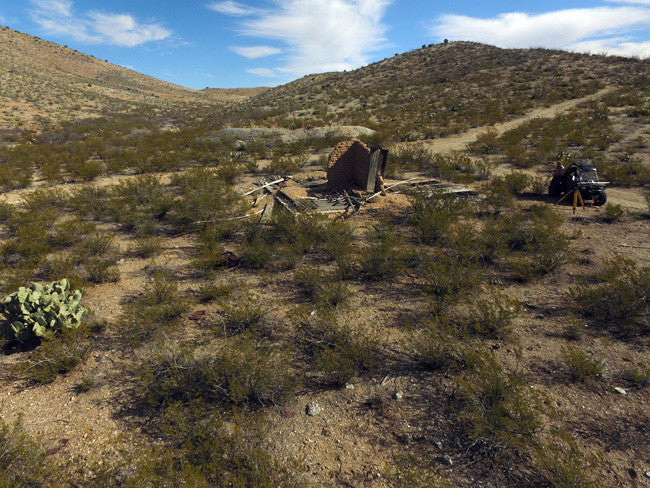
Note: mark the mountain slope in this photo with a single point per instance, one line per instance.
(443, 89)
(42, 80)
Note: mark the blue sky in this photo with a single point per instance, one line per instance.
(228, 43)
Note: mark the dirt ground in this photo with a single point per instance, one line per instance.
(353, 440)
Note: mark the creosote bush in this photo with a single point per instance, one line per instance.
(335, 352)
(582, 365)
(499, 408)
(23, 462)
(156, 310)
(619, 303)
(237, 372)
(56, 355)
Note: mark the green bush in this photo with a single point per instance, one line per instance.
(157, 309)
(335, 352)
(40, 310)
(238, 372)
(619, 302)
(613, 213)
(492, 315)
(499, 408)
(23, 462)
(582, 365)
(564, 465)
(56, 356)
(432, 213)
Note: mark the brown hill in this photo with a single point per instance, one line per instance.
(443, 89)
(43, 80)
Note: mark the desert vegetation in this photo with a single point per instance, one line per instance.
(213, 347)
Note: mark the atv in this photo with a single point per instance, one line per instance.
(581, 176)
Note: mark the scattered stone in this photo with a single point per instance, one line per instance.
(438, 444)
(349, 386)
(313, 408)
(647, 474)
(447, 460)
(398, 395)
(496, 281)
(540, 316)
(620, 390)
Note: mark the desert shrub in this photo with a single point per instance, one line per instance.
(582, 365)
(234, 373)
(200, 452)
(613, 213)
(138, 201)
(563, 464)
(447, 281)
(323, 289)
(40, 311)
(241, 316)
(574, 328)
(384, 256)
(637, 375)
(491, 316)
(499, 409)
(157, 309)
(536, 236)
(441, 344)
(23, 462)
(619, 302)
(146, 247)
(56, 356)
(432, 213)
(204, 198)
(210, 290)
(625, 173)
(486, 143)
(335, 352)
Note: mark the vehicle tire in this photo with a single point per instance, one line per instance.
(600, 198)
(555, 187)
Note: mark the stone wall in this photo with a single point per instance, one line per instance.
(348, 163)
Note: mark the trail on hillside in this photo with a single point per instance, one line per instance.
(460, 141)
(442, 145)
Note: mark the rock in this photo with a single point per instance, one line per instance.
(438, 444)
(240, 145)
(620, 390)
(313, 408)
(496, 281)
(349, 386)
(647, 474)
(398, 395)
(446, 459)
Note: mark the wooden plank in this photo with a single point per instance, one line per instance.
(373, 167)
(263, 187)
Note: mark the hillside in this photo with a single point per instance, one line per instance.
(41, 81)
(443, 89)
(412, 339)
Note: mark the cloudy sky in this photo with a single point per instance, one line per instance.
(233, 43)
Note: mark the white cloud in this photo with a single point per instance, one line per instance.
(124, 30)
(231, 8)
(264, 72)
(321, 35)
(58, 17)
(614, 46)
(253, 52)
(563, 29)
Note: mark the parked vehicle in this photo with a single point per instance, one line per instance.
(582, 176)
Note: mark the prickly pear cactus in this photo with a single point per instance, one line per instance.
(40, 310)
